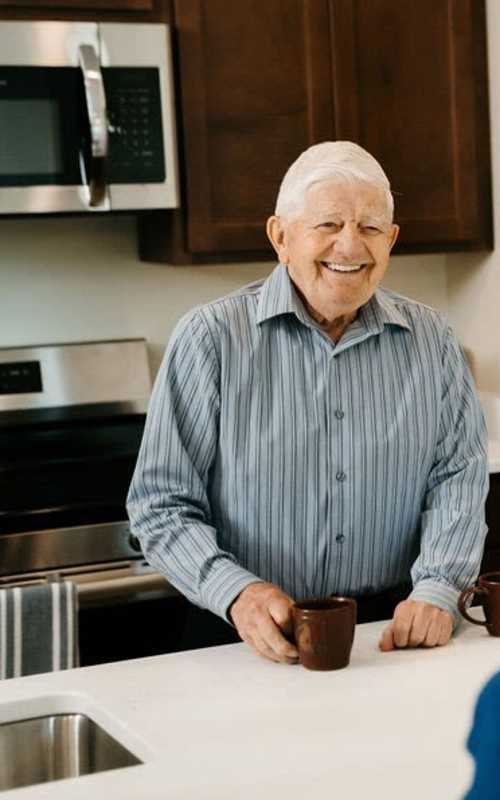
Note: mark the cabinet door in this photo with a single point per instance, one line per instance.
(410, 85)
(256, 89)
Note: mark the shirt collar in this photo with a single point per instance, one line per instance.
(278, 297)
(381, 310)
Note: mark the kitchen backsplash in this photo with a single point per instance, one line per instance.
(71, 279)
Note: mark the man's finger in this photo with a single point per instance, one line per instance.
(403, 618)
(446, 630)
(263, 649)
(434, 631)
(281, 614)
(273, 638)
(421, 619)
(386, 642)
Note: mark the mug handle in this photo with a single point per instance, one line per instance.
(461, 603)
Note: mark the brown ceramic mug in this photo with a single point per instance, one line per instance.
(324, 631)
(488, 589)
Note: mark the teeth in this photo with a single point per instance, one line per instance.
(341, 267)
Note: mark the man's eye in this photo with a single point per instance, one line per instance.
(336, 226)
(370, 229)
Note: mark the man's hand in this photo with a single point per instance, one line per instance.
(417, 624)
(262, 613)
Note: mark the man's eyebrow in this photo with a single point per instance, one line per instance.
(374, 219)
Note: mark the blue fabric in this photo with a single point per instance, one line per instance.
(272, 453)
(484, 743)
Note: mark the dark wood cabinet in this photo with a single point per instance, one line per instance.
(491, 558)
(417, 99)
(265, 94)
(259, 82)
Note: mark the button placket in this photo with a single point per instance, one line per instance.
(334, 566)
(341, 474)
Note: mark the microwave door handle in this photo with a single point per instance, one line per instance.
(96, 106)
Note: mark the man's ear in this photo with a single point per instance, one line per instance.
(394, 236)
(276, 235)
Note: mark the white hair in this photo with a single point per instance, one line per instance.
(329, 162)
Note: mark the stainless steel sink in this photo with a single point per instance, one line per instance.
(57, 746)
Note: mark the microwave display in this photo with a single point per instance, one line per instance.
(42, 126)
(58, 145)
(21, 152)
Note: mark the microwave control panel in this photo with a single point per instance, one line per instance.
(134, 125)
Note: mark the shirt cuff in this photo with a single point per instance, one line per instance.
(439, 594)
(224, 583)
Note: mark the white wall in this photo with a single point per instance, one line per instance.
(80, 279)
(65, 280)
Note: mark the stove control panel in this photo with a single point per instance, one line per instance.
(20, 377)
(76, 374)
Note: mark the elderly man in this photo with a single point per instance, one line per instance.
(313, 434)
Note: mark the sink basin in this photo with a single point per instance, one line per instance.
(54, 746)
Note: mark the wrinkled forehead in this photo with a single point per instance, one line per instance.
(350, 200)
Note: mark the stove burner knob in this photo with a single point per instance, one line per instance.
(134, 543)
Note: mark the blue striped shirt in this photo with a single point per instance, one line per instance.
(272, 453)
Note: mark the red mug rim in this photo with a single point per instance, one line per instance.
(487, 578)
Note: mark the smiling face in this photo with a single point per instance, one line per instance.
(337, 250)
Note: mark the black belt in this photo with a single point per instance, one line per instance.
(374, 607)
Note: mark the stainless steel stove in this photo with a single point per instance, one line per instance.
(71, 422)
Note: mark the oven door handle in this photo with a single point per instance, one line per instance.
(106, 588)
(90, 592)
(95, 98)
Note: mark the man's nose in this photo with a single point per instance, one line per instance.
(349, 243)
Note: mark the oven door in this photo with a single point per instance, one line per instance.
(125, 609)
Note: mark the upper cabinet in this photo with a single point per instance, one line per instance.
(259, 82)
(411, 86)
(256, 89)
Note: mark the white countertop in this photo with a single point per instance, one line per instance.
(224, 723)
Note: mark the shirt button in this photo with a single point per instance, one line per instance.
(340, 538)
(339, 413)
(341, 476)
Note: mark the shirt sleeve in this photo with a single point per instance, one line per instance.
(168, 501)
(453, 525)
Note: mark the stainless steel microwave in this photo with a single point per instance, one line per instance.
(86, 117)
